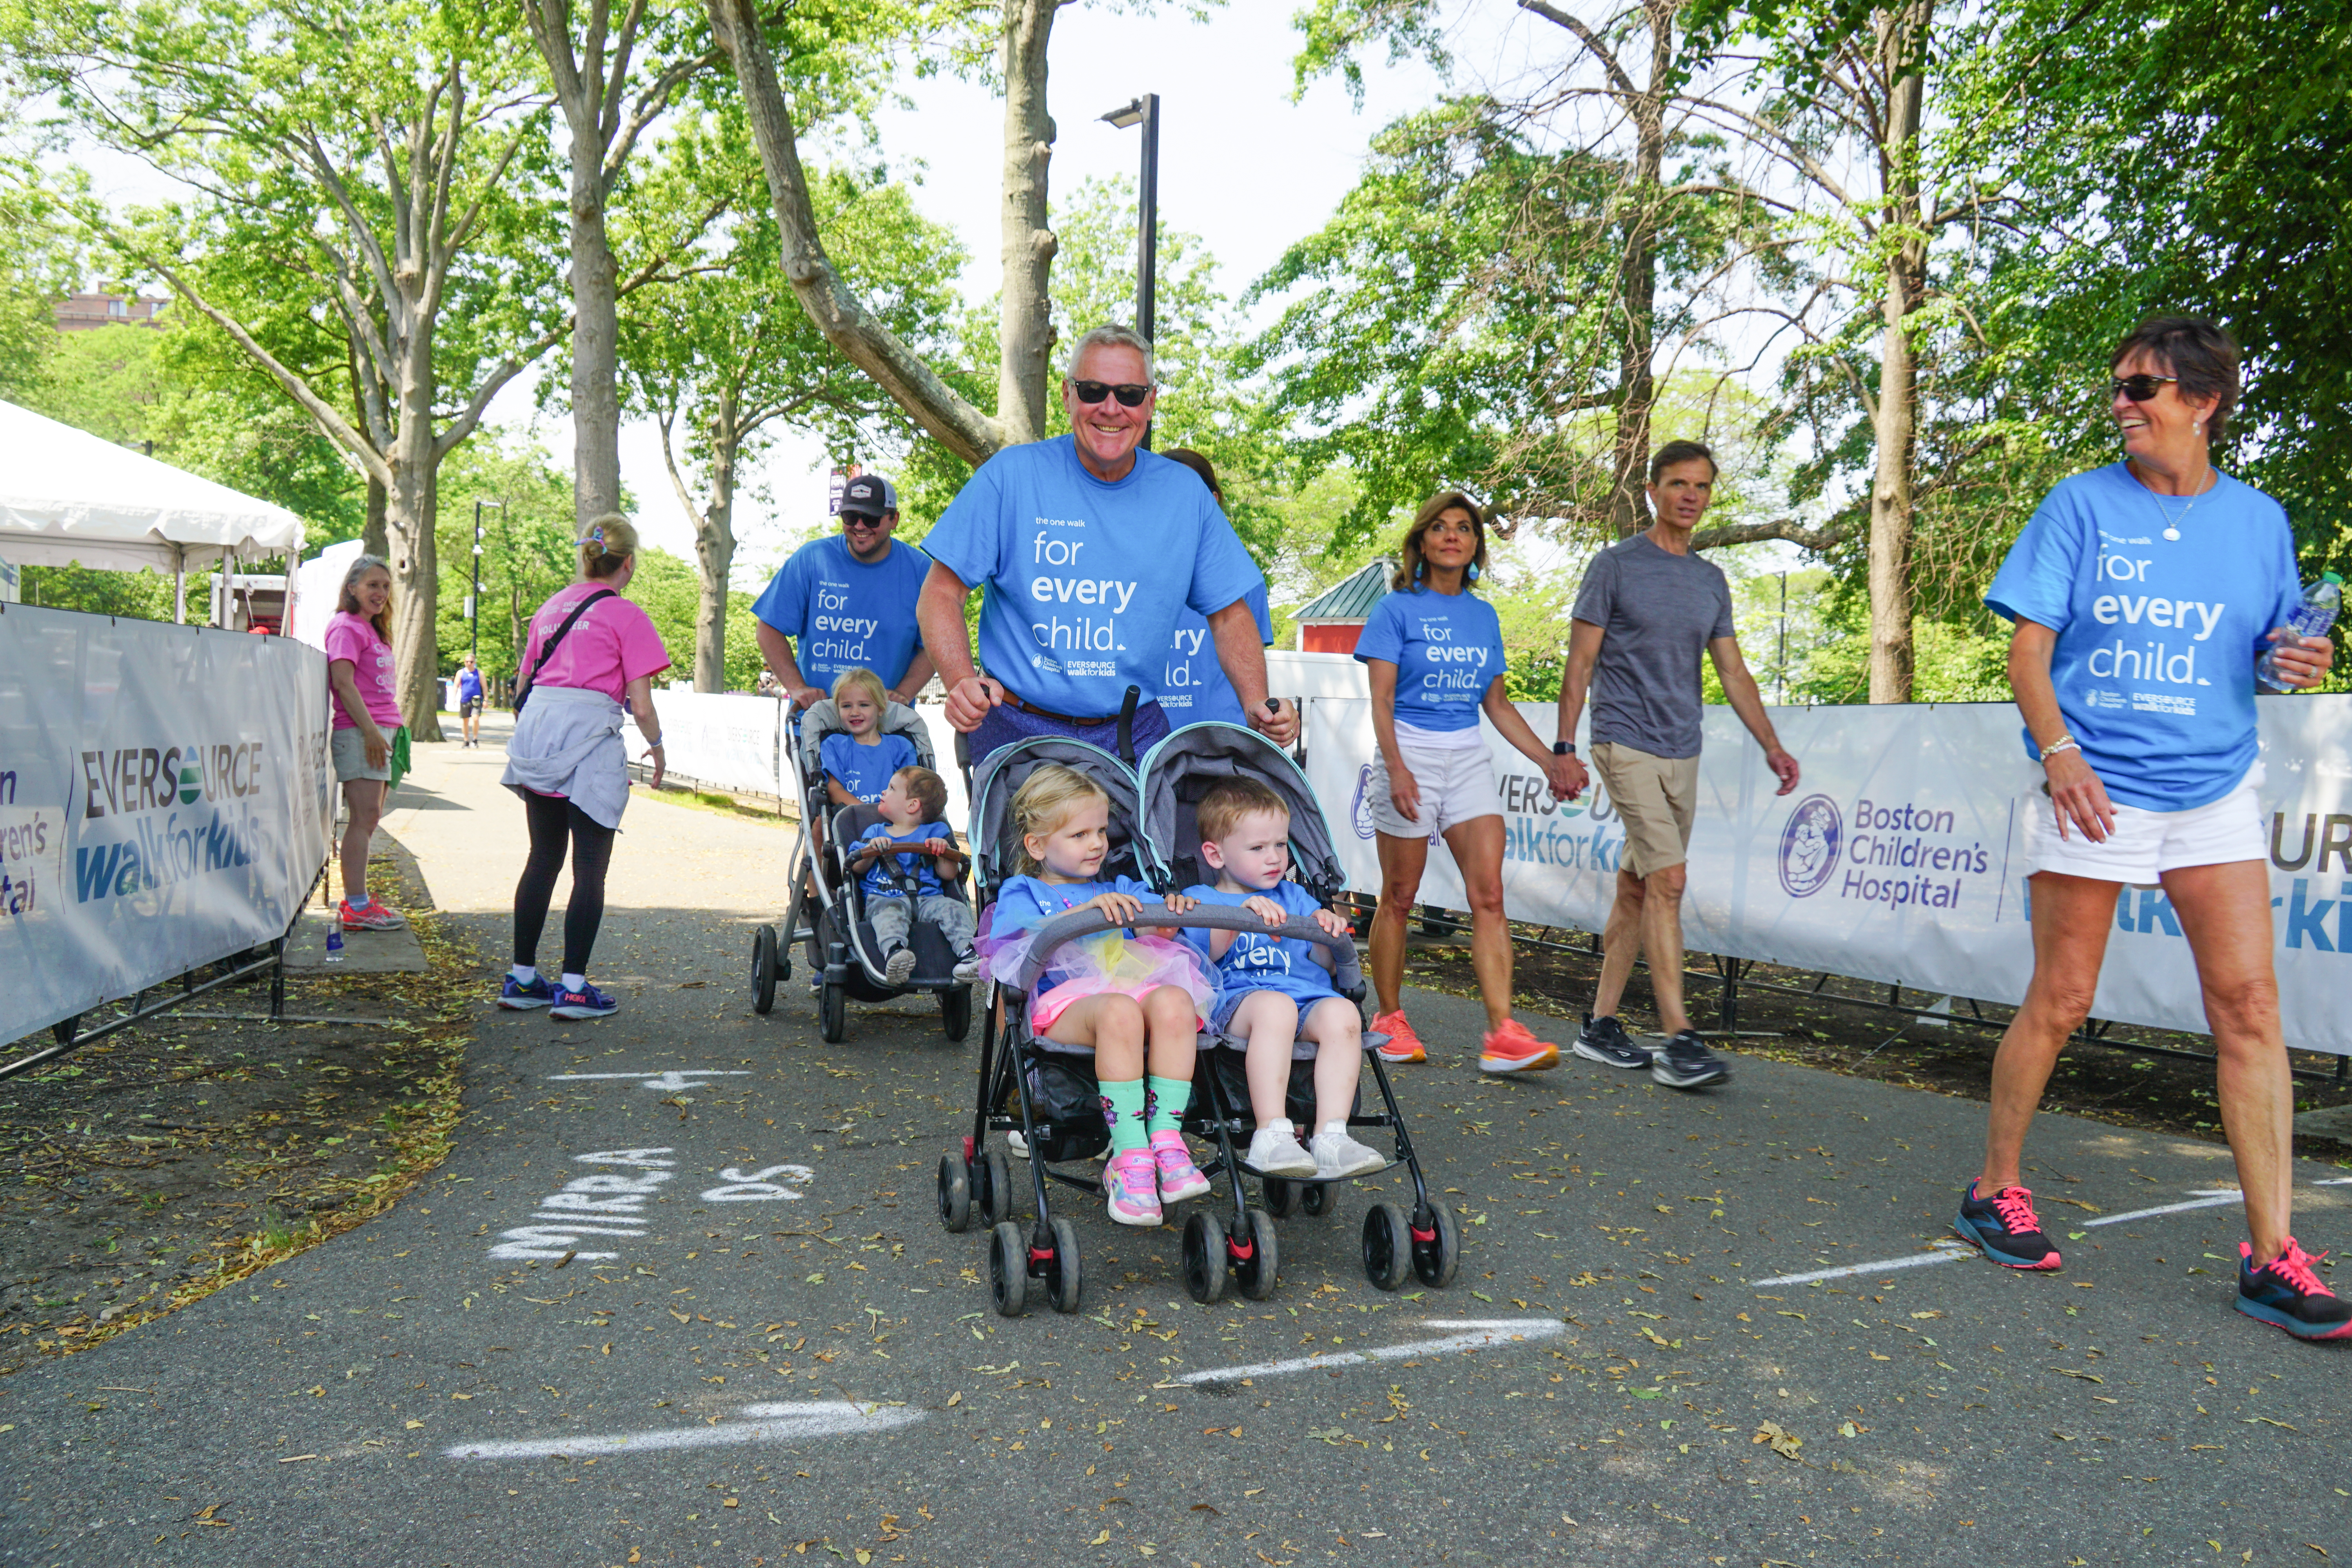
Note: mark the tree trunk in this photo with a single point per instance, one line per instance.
(714, 550)
(373, 540)
(595, 328)
(1024, 329)
(1637, 284)
(409, 515)
(1901, 51)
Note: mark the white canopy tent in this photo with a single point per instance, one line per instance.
(68, 497)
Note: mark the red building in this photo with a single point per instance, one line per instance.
(82, 312)
(1334, 619)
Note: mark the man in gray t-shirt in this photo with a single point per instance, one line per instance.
(1647, 610)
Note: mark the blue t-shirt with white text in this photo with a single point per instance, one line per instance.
(864, 771)
(1195, 690)
(1025, 902)
(1086, 578)
(2154, 665)
(1447, 647)
(880, 882)
(846, 614)
(1261, 961)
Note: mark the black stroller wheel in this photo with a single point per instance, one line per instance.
(1315, 1198)
(1281, 1196)
(763, 969)
(955, 1192)
(833, 1012)
(1255, 1275)
(1436, 1256)
(1064, 1282)
(1008, 1270)
(1204, 1257)
(995, 1194)
(955, 1011)
(1388, 1246)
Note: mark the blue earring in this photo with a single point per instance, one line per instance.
(1473, 570)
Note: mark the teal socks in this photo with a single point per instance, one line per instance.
(1164, 1106)
(1123, 1109)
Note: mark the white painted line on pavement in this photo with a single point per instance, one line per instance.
(2206, 1198)
(674, 1080)
(766, 1423)
(1482, 1332)
(1944, 1252)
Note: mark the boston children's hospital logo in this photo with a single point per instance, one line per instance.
(1810, 845)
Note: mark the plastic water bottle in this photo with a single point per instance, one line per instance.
(2311, 618)
(335, 942)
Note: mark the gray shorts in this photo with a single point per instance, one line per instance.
(890, 917)
(349, 748)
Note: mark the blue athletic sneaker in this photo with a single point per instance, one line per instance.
(522, 998)
(2287, 1294)
(585, 1003)
(2003, 1228)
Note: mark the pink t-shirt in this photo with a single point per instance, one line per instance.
(354, 638)
(612, 645)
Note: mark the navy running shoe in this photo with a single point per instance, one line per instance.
(2003, 1228)
(1686, 1063)
(2287, 1294)
(522, 998)
(1605, 1041)
(585, 1003)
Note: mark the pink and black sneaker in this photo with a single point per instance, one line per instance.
(2003, 1228)
(2287, 1294)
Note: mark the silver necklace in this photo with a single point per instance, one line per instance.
(2171, 523)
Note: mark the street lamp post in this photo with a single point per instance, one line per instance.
(1145, 112)
(474, 599)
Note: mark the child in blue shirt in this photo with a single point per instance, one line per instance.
(858, 766)
(911, 806)
(1137, 1003)
(1275, 994)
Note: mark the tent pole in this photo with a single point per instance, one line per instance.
(179, 585)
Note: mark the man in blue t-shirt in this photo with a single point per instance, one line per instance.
(469, 700)
(850, 599)
(1090, 548)
(1194, 689)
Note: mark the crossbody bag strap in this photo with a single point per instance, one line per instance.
(547, 650)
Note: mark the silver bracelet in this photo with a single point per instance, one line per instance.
(2063, 743)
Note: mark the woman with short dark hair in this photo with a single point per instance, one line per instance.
(1434, 652)
(2143, 593)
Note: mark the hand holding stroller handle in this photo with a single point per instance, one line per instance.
(1080, 923)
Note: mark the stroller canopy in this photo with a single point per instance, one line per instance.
(1180, 769)
(996, 841)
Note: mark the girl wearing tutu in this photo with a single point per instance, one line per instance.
(1137, 1002)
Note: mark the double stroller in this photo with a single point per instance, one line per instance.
(827, 914)
(1050, 1101)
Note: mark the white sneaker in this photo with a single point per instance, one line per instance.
(1337, 1155)
(899, 967)
(1273, 1150)
(967, 967)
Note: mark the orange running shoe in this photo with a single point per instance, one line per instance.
(1402, 1044)
(1511, 1048)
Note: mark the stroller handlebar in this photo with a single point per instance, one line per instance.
(1069, 928)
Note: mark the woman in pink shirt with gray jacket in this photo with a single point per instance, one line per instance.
(589, 651)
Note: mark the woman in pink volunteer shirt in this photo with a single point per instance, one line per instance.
(589, 650)
(367, 732)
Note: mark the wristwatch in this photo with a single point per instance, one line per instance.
(1563, 748)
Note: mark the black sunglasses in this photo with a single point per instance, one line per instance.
(1130, 395)
(2138, 388)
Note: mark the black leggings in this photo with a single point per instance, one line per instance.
(552, 820)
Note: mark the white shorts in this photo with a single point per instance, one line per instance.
(1456, 786)
(2147, 844)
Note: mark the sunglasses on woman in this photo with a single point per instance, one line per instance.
(1130, 395)
(2139, 388)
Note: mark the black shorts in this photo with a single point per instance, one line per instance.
(468, 706)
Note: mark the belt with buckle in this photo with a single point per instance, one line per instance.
(1014, 700)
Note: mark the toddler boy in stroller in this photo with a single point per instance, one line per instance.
(903, 859)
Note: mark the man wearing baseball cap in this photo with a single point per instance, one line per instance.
(849, 599)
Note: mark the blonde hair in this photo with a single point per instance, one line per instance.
(925, 788)
(1229, 800)
(1046, 801)
(864, 680)
(347, 597)
(606, 547)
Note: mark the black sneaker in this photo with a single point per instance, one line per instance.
(1686, 1063)
(2003, 1228)
(1605, 1041)
(2287, 1294)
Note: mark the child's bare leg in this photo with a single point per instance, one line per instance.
(1338, 1031)
(1173, 1028)
(1268, 1020)
(1113, 1025)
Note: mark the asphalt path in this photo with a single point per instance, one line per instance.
(765, 1348)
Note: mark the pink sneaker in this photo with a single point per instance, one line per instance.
(377, 916)
(1131, 1180)
(1179, 1177)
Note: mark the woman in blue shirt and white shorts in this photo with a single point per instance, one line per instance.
(1434, 653)
(2143, 593)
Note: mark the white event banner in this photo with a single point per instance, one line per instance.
(1900, 856)
(165, 802)
(732, 740)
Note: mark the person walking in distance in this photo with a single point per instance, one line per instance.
(1433, 652)
(2152, 772)
(469, 700)
(1647, 609)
